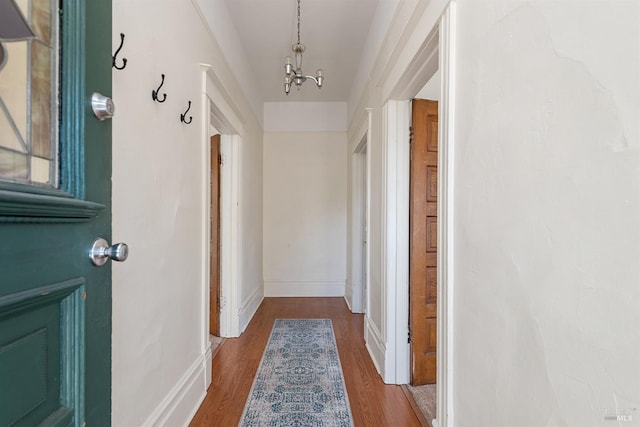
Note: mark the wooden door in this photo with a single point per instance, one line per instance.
(423, 213)
(55, 200)
(214, 277)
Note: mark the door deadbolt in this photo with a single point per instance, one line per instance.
(102, 106)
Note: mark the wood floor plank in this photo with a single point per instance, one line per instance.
(373, 403)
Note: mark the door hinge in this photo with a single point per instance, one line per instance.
(220, 159)
(409, 337)
(410, 134)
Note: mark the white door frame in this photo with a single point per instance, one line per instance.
(218, 110)
(446, 162)
(437, 51)
(360, 211)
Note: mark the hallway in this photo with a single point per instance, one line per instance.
(372, 402)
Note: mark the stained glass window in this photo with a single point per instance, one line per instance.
(29, 91)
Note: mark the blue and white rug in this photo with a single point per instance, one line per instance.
(299, 381)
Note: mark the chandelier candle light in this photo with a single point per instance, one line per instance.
(296, 76)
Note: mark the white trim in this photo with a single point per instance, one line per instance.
(415, 52)
(374, 343)
(367, 296)
(208, 367)
(303, 289)
(220, 112)
(249, 307)
(225, 116)
(421, 68)
(359, 159)
(230, 174)
(395, 242)
(205, 158)
(446, 187)
(188, 390)
(346, 300)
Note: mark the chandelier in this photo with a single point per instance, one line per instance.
(296, 75)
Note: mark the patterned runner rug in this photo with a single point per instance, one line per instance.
(299, 381)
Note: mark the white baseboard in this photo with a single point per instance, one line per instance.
(348, 305)
(375, 344)
(304, 289)
(434, 423)
(184, 399)
(208, 367)
(249, 307)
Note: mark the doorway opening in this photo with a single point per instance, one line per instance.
(423, 245)
(214, 239)
(219, 117)
(436, 53)
(222, 244)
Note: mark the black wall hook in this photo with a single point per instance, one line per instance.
(182, 116)
(115, 55)
(154, 93)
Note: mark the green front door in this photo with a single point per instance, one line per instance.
(55, 200)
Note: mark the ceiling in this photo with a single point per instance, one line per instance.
(333, 31)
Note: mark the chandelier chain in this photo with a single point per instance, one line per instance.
(298, 21)
(295, 76)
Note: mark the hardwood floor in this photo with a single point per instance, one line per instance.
(373, 403)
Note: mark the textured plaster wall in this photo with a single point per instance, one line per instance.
(158, 209)
(305, 207)
(547, 223)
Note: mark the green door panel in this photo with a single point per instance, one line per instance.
(55, 305)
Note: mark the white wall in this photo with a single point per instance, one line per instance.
(305, 116)
(305, 213)
(432, 89)
(547, 194)
(250, 283)
(547, 207)
(159, 354)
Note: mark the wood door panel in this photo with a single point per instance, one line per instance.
(431, 328)
(431, 158)
(430, 313)
(430, 366)
(423, 282)
(431, 209)
(432, 133)
(432, 234)
(430, 259)
(432, 183)
(214, 262)
(431, 284)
